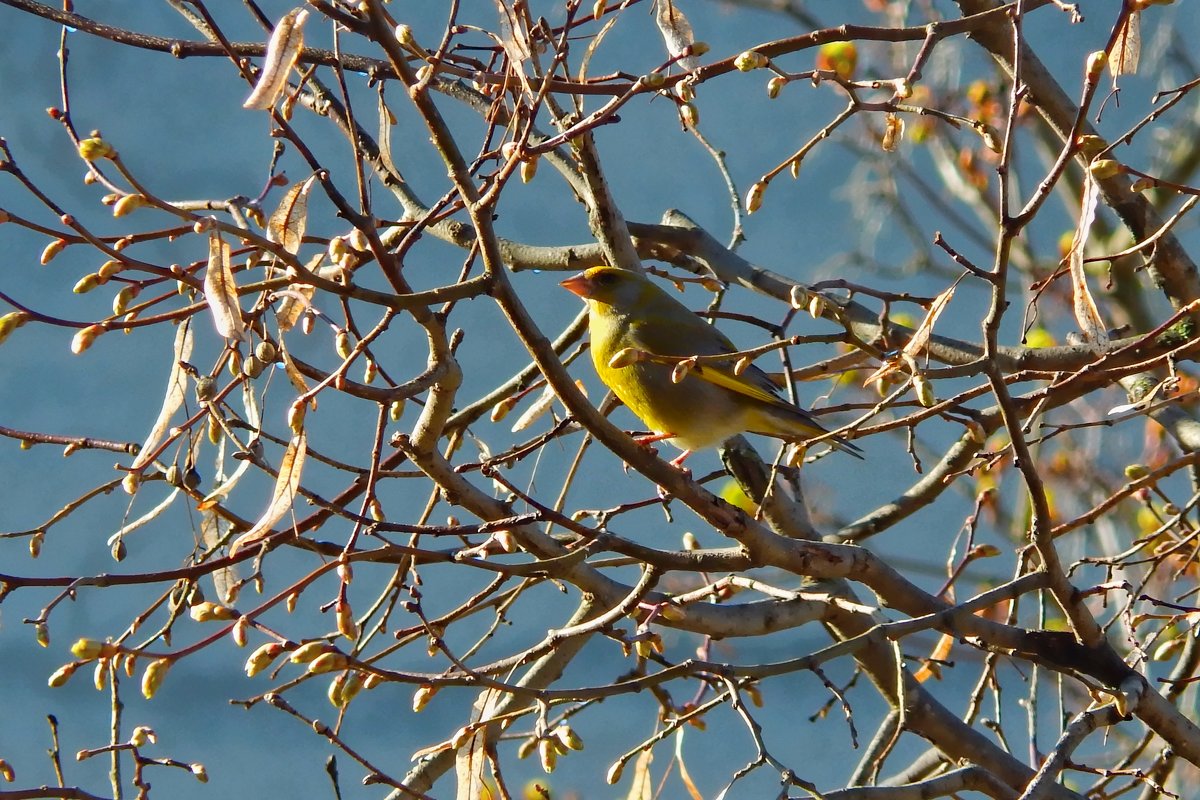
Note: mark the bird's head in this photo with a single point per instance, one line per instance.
(612, 286)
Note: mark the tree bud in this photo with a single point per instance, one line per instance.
(128, 203)
(61, 675)
(154, 676)
(261, 658)
(1103, 168)
(310, 650)
(51, 250)
(86, 283)
(754, 196)
(84, 337)
(94, 149)
(327, 662)
(689, 114)
(750, 60)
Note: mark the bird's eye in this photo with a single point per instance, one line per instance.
(606, 279)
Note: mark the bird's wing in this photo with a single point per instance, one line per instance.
(752, 383)
(693, 336)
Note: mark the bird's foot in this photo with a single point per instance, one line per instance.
(678, 460)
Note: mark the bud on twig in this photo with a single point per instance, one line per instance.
(750, 60)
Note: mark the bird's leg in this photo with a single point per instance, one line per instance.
(678, 460)
(645, 440)
(677, 463)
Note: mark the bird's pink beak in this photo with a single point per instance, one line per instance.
(578, 284)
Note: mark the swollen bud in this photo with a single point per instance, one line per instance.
(86, 283)
(10, 322)
(84, 337)
(893, 132)
(754, 196)
(327, 662)
(307, 652)
(87, 649)
(1095, 64)
(62, 675)
(750, 60)
(143, 735)
(154, 676)
(422, 696)
(209, 611)
(128, 203)
(547, 755)
(94, 149)
(690, 114)
(924, 391)
(624, 357)
(1103, 168)
(345, 620)
(261, 658)
(568, 737)
(798, 297)
(51, 250)
(816, 306)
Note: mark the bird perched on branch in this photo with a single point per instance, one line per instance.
(643, 344)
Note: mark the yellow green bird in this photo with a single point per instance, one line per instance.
(627, 310)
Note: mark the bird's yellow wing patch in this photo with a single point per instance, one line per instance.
(739, 384)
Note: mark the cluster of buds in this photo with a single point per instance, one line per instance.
(344, 688)
(528, 162)
(558, 742)
(208, 611)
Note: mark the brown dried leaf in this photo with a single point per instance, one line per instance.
(286, 226)
(514, 38)
(293, 373)
(941, 652)
(920, 337)
(684, 776)
(176, 390)
(386, 121)
(220, 290)
(224, 579)
(914, 346)
(540, 408)
(1127, 47)
(643, 783)
(283, 49)
(471, 760)
(297, 298)
(1087, 315)
(282, 497)
(676, 33)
